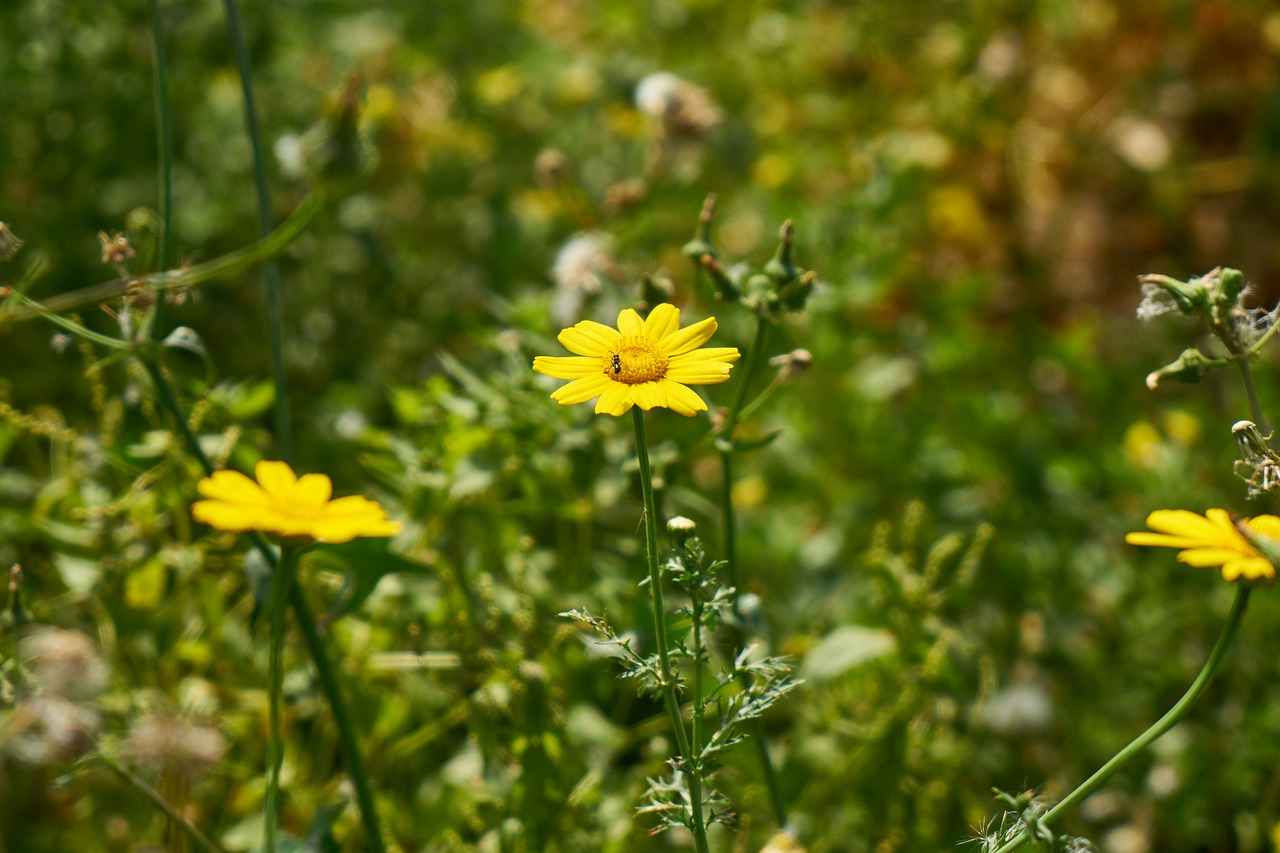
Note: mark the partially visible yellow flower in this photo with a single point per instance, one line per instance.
(1212, 539)
(281, 502)
(646, 363)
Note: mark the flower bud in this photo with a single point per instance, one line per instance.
(1191, 297)
(701, 243)
(1189, 367)
(781, 268)
(681, 528)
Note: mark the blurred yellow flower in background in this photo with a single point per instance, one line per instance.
(646, 363)
(1212, 539)
(281, 502)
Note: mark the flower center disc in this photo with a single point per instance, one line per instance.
(637, 360)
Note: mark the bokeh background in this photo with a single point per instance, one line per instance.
(935, 536)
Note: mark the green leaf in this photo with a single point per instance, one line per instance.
(843, 649)
(362, 563)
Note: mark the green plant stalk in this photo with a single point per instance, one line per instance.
(198, 838)
(1171, 717)
(699, 705)
(1246, 375)
(277, 607)
(755, 725)
(226, 266)
(687, 757)
(164, 144)
(310, 632)
(271, 273)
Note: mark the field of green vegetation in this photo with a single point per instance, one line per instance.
(855, 580)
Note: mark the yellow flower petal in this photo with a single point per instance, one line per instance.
(685, 340)
(276, 479)
(649, 395)
(566, 367)
(313, 489)
(682, 399)
(629, 323)
(589, 338)
(581, 390)
(662, 321)
(615, 399)
(230, 486)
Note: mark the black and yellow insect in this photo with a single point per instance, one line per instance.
(617, 364)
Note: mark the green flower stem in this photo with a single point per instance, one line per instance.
(350, 744)
(687, 758)
(277, 608)
(1246, 375)
(198, 838)
(1174, 714)
(284, 432)
(755, 726)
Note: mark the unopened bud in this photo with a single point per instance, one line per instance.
(726, 287)
(1189, 367)
(781, 268)
(792, 364)
(681, 528)
(1191, 296)
(701, 243)
(796, 293)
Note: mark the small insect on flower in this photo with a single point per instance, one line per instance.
(646, 362)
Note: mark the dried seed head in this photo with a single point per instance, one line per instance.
(53, 730)
(550, 167)
(158, 739)
(64, 663)
(115, 248)
(9, 243)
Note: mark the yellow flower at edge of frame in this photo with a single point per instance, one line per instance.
(647, 363)
(282, 503)
(1212, 540)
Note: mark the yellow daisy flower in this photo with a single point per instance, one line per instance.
(281, 502)
(1212, 540)
(645, 363)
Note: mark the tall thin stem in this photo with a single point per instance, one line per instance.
(1174, 714)
(164, 144)
(755, 725)
(198, 838)
(347, 739)
(1246, 375)
(687, 758)
(278, 606)
(284, 432)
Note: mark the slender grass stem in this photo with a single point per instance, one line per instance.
(164, 144)
(687, 758)
(277, 607)
(271, 273)
(755, 726)
(198, 838)
(1174, 714)
(226, 266)
(347, 739)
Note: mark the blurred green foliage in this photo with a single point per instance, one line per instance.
(935, 536)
